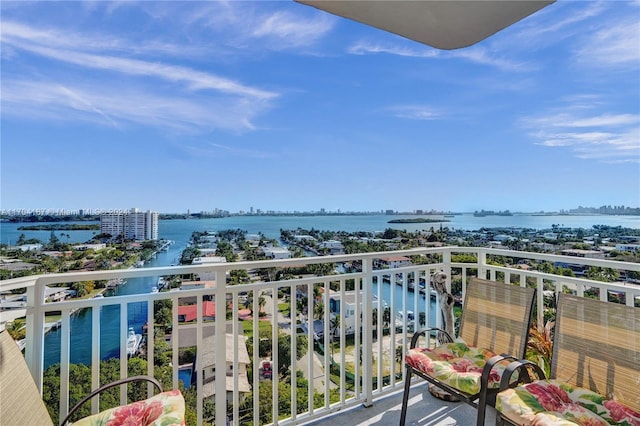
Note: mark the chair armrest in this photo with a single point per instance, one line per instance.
(486, 370)
(520, 365)
(484, 384)
(417, 334)
(109, 386)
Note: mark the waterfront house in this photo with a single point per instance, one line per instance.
(208, 260)
(15, 265)
(30, 247)
(631, 248)
(590, 254)
(276, 252)
(344, 305)
(210, 363)
(393, 262)
(192, 285)
(332, 247)
(189, 313)
(86, 246)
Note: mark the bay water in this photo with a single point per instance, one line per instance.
(180, 230)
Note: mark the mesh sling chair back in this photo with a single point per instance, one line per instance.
(21, 403)
(595, 369)
(494, 327)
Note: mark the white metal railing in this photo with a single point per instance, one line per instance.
(364, 364)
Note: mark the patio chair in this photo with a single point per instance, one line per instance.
(21, 403)
(493, 328)
(595, 369)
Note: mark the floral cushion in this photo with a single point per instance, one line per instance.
(456, 364)
(550, 402)
(164, 409)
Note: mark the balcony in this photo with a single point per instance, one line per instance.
(344, 369)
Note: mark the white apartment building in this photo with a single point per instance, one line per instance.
(132, 225)
(276, 252)
(628, 247)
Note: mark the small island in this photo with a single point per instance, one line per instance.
(61, 227)
(418, 220)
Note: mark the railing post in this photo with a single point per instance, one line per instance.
(540, 297)
(367, 335)
(34, 349)
(220, 349)
(482, 264)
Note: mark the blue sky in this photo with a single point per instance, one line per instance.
(171, 106)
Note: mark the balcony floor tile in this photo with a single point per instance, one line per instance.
(423, 410)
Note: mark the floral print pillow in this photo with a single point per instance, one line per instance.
(164, 409)
(456, 364)
(550, 402)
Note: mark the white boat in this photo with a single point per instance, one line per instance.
(154, 289)
(133, 342)
(411, 320)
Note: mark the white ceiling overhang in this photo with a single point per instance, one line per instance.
(444, 24)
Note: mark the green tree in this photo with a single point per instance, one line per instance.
(318, 310)
(239, 276)
(80, 288)
(162, 313)
(334, 326)
(54, 241)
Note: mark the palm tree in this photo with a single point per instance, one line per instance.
(318, 310)
(334, 324)
(248, 304)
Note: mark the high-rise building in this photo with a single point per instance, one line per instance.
(132, 225)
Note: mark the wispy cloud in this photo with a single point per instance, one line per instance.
(416, 112)
(365, 47)
(483, 56)
(285, 30)
(613, 46)
(41, 43)
(256, 26)
(604, 137)
(216, 150)
(604, 120)
(139, 90)
(97, 104)
(477, 55)
(580, 12)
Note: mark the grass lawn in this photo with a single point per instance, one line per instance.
(264, 327)
(285, 308)
(52, 317)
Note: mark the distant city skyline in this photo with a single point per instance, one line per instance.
(174, 106)
(604, 209)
